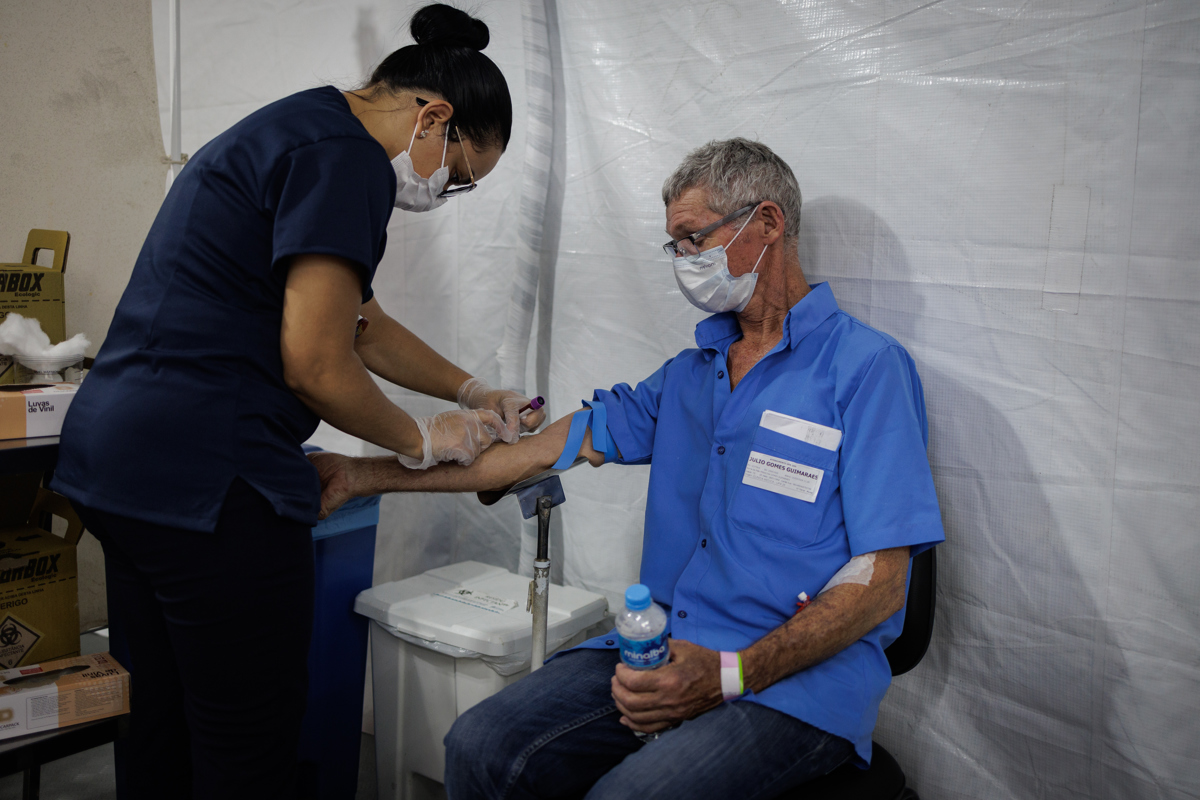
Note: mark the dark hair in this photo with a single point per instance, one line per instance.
(446, 61)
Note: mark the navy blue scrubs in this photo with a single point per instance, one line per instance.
(182, 449)
(187, 392)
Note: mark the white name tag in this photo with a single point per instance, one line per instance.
(820, 435)
(784, 477)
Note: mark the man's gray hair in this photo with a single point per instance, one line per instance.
(737, 173)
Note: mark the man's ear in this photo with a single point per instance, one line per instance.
(771, 217)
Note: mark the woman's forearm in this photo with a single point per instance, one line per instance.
(397, 355)
(320, 366)
(345, 396)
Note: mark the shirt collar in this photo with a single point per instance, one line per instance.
(720, 330)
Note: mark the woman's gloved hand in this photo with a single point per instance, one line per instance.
(476, 394)
(454, 436)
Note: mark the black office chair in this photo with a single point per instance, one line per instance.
(885, 780)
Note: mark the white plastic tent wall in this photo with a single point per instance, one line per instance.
(1009, 188)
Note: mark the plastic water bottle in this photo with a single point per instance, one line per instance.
(642, 630)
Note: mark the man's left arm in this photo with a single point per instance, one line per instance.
(650, 700)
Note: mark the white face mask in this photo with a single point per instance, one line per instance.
(706, 282)
(414, 193)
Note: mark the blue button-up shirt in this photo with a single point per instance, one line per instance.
(728, 559)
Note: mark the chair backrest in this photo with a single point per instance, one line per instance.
(910, 646)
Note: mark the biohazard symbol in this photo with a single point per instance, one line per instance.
(9, 635)
(16, 640)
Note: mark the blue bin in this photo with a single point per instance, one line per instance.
(343, 555)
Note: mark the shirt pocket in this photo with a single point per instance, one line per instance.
(778, 516)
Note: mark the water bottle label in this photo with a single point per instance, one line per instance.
(645, 653)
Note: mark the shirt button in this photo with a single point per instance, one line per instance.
(609, 642)
(720, 375)
(721, 450)
(683, 615)
(704, 542)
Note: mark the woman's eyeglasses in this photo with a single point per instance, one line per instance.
(455, 191)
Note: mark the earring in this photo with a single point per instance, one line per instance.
(423, 134)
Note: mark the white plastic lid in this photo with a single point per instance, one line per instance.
(476, 607)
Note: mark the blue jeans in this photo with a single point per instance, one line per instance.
(556, 734)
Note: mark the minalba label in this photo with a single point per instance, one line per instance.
(645, 653)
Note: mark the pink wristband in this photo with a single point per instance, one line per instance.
(732, 685)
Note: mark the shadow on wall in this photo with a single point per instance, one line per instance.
(1015, 668)
(369, 47)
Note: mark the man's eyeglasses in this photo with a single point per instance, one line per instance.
(454, 191)
(690, 245)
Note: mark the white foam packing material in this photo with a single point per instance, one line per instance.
(1009, 189)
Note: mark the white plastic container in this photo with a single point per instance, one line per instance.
(49, 369)
(443, 641)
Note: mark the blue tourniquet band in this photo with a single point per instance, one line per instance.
(602, 440)
(579, 425)
(595, 417)
(599, 425)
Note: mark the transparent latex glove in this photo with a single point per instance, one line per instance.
(454, 436)
(476, 394)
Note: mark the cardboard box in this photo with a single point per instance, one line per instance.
(39, 590)
(34, 291)
(59, 693)
(35, 410)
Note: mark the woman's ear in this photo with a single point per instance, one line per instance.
(434, 115)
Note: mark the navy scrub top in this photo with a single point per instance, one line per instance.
(187, 392)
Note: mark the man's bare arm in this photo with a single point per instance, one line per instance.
(836, 619)
(498, 467)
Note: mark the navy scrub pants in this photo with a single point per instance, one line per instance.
(214, 629)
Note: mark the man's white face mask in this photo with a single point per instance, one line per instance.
(706, 282)
(414, 193)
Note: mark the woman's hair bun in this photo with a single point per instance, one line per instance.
(440, 24)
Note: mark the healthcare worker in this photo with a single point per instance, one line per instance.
(235, 336)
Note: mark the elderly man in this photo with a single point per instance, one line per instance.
(788, 461)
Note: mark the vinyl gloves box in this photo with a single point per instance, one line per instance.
(60, 693)
(32, 411)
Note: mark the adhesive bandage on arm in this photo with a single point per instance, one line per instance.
(857, 570)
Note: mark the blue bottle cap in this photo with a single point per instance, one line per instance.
(637, 597)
